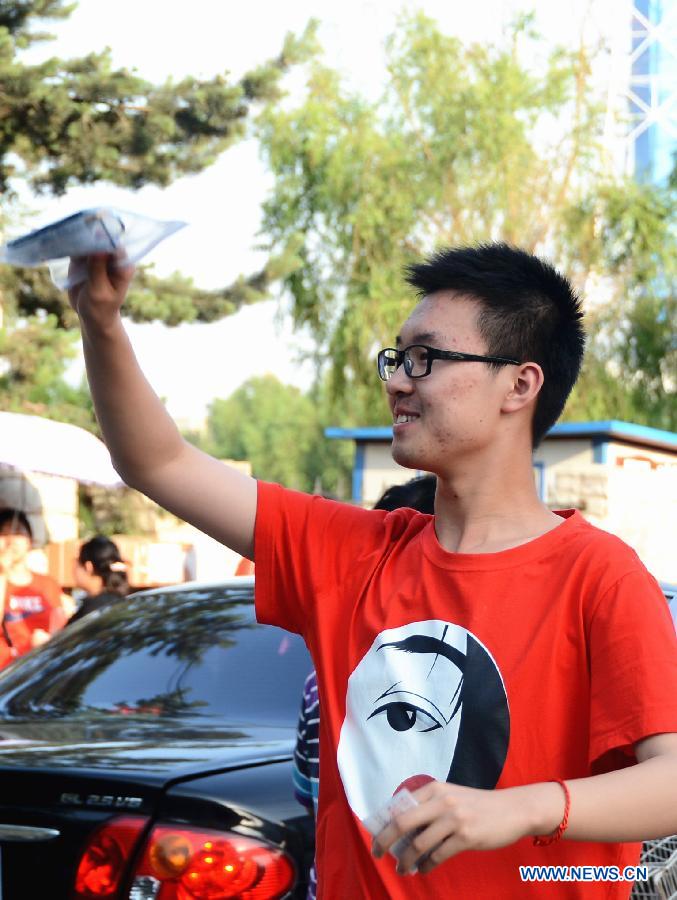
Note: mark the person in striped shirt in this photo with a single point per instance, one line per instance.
(306, 771)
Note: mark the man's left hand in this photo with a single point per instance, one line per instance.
(450, 818)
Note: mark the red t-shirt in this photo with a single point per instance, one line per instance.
(31, 606)
(548, 660)
(6, 654)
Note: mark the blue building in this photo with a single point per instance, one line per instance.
(652, 94)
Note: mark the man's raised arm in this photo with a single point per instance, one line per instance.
(145, 444)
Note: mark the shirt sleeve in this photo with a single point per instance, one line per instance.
(302, 544)
(633, 668)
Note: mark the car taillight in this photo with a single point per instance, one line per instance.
(185, 863)
(106, 857)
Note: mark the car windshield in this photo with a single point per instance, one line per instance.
(178, 653)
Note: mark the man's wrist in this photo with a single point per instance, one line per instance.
(97, 329)
(542, 806)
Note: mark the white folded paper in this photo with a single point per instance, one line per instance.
(376, 822)
(126, 235)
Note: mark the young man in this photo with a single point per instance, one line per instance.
(519, 660)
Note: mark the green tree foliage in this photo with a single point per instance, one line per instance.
(34, 356)
(280, 431)
(66, 122)
(466, 144)
(80, 121)
(119, 510)
(631, 363)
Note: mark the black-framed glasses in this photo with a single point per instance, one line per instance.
(418, 360)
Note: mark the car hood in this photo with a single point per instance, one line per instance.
(155, 751)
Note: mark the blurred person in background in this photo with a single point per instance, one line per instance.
(31, 602)
(419, 494)
(102, 573)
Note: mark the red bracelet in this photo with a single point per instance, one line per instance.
(542, 840)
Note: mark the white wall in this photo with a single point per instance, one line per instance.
(381, 471)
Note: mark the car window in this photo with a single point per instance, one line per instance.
(180, 653)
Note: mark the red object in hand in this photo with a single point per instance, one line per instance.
(413, 783)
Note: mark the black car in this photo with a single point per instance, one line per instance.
(146, 753)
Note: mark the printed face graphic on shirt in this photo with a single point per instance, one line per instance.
(426, 699)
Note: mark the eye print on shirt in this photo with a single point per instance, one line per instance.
(426, 699)
(421, 700)
(403, 715)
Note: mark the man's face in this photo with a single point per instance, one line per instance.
(455, 411)
(15, 545)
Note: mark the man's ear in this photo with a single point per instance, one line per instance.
(527, 381)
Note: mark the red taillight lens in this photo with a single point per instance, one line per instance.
(200, 864)
(106, 855)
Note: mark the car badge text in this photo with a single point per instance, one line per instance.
(107, 801)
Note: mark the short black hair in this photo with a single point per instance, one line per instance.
(417, 493)
(528, 311)
(18, 520)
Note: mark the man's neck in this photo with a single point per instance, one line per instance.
(490, 510)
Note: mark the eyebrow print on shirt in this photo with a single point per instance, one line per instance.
(423, 643)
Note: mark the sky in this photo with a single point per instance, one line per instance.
(192, 364)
